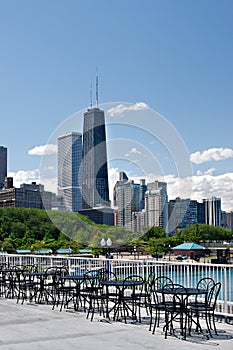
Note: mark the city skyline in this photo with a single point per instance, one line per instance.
(172, 57)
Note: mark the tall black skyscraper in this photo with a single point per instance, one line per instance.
(95, 191)
(3, 165)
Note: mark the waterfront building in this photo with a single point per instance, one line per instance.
(70, 171)
(8, 183)
(223, 219)
(153, 206)
(156, 207)
(200, 213)
(122, 178)
(95, 190)
(3, 165)
(143, 188)
(100, 215)
(212, 211)
(230, 220)
(128, 202)
(27, 196)
(181, 213)
(138, 221)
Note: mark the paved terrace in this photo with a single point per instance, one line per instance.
(31, 326)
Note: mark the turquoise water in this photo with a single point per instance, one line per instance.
(194, 276)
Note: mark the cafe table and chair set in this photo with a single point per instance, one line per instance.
(175, 309)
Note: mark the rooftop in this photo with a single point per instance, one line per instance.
(188, 246)
(31, 326)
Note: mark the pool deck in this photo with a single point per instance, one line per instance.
(31, 326)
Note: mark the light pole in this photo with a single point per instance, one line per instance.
(107, 243)
(103, 244)
(169, 251)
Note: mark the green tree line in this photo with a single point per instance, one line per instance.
(34, 229)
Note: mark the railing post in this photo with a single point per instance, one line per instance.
(225, 289)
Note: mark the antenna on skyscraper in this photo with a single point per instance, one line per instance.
(91, 95)
(97, 91)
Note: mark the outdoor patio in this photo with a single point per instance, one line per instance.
(32, 326)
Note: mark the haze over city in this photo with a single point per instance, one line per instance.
(174, 58)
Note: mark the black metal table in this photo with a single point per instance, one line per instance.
(182, 294)
(121, 304)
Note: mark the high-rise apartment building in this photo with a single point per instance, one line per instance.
(230, 220)
(156, 209)
(212, 211)
(3, 165)
(70, 171)
(143, 188)
(153, 206)
(122, 178)
(128, 197)
(182, 213)
(128, 202)
(95, 190)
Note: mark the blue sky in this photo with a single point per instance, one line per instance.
(175, 56)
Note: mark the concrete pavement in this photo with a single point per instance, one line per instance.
(30, 326)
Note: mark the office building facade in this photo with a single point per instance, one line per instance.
(128, 202)
(27, 196)
(70, 171)
(156, 206)
(181, 213)
(3, 165)
(212, 211)
(95, 190)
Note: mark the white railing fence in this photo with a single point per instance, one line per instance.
(186, 273)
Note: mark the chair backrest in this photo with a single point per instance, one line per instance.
(213, 294)
(93, 279)
(174, 293)
(161, 281)
(128, 283)
(133, 278)
(205, 283)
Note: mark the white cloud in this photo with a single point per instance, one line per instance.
(207, 172)
(24, 176)
(121, 108)
(211, 154)
(50, 184)
(43, 150)
(133, 150)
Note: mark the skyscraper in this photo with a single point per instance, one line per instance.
(3, 165)
(128, 202)
(156, 204)
(95, 190)
(182, 213)
(153, 206)
(212, 211)
(70, 170)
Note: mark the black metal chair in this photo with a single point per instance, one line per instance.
(175, 306)
(131, 295)
(206, 308)
(205, 284)
(62, 290)
(26, 283)
(155, 300)
(93, 293)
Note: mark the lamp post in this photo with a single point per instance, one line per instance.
(107, 243)
(103, 244)
(169, 252)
